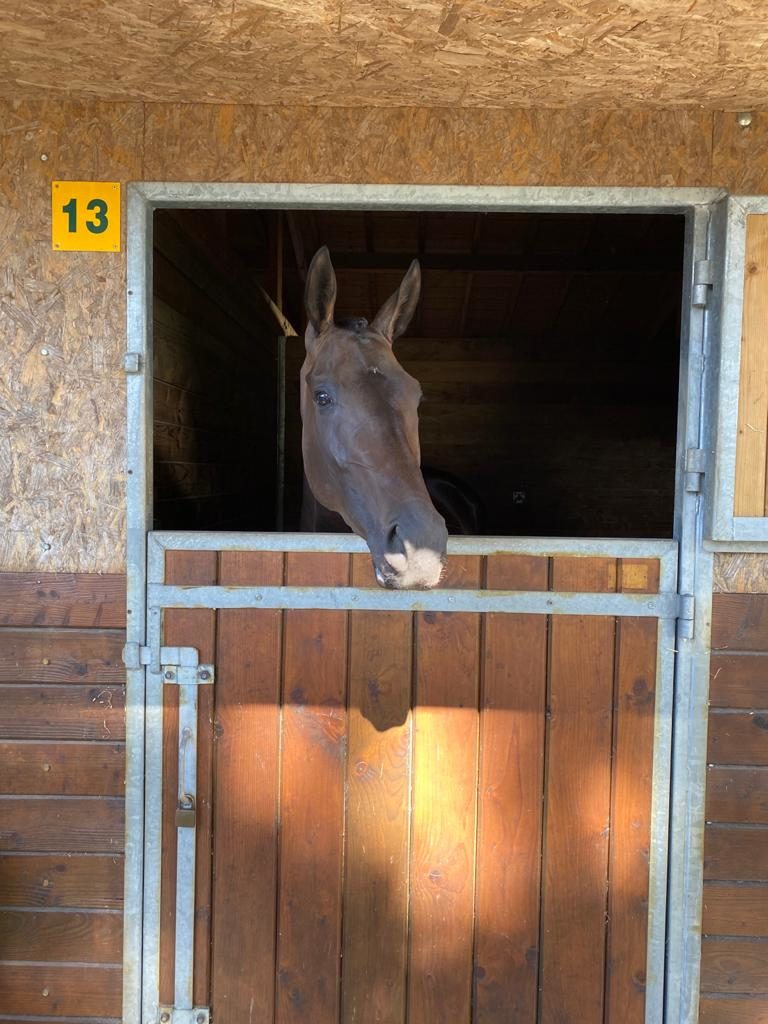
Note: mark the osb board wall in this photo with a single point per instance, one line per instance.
(62, 496)
(378, 53)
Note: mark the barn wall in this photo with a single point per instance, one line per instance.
(735, 918)
(64, 497)
(62, 749)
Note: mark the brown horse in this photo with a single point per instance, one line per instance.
(360, 440)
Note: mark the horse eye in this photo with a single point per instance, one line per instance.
(323, 398)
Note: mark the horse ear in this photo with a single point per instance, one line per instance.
(395, 315)
(320, 292)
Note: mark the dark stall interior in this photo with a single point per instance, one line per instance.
(547, 346)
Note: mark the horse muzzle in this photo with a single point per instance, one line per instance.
(413, 559)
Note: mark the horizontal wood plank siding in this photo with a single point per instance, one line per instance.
(734, 978)
(62, 786)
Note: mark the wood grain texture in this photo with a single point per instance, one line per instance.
(735, 910)
(61, 990)
(61, 380)
(63, 769)
(83, 600)
(71, 824)
(732, 1010)
(752, 442)
(740, 573)
(61, 656)
(377, 831)
(631, 790)
(246, 772)
(735, 854)
(445, 751)
(737, 795)
(578, 798)
(739, 622)
(728, 965)
(739, 681)
(312, 799)
(511, 780)
(61, 935)
(738, 738)
(92, 881)
(193, 628)
(379, 55)
(62, 712)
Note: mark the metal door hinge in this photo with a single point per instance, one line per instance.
(686, 616)
(703, 282)
(172, 1015)
(695, 468)
(177, 664)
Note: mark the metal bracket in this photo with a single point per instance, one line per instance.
(703, 282)
(172, 1015)
(695, 468)
(686, 616)
(179, 665)
(132, 362)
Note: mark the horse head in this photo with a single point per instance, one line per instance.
(360, 437)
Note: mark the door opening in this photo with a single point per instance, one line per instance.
(547, 346)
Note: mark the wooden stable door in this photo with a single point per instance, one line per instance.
(431, 818)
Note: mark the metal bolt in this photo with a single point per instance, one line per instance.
(165, 1017)
(169, 675)
(45, 352)
(744, 119)
(46, 661)
(200, 1018)
(43, 157)
(45, 992)
(205, 675)
(46, 767)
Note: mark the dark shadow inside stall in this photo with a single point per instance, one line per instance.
(547, 347)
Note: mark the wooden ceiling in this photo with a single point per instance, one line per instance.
(433, 53)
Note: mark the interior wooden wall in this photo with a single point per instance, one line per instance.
(215, 390)
(62, 732)
(62, 495)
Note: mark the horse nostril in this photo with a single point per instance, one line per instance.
(394, 541)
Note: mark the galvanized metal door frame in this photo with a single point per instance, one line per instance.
(663, 607)
(691, 663)
(723, 526)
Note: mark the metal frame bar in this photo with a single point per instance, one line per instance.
(690, 709)
(723, 524)
(145, 699)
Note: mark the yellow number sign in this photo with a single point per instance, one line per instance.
(85, 215)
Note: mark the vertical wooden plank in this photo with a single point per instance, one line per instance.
(578, 794)
(510, 800)
(378, 804)
(631, 820)
(752, 442)
(188, 628)
(444, 808)
(312, 799)
(246, 773)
